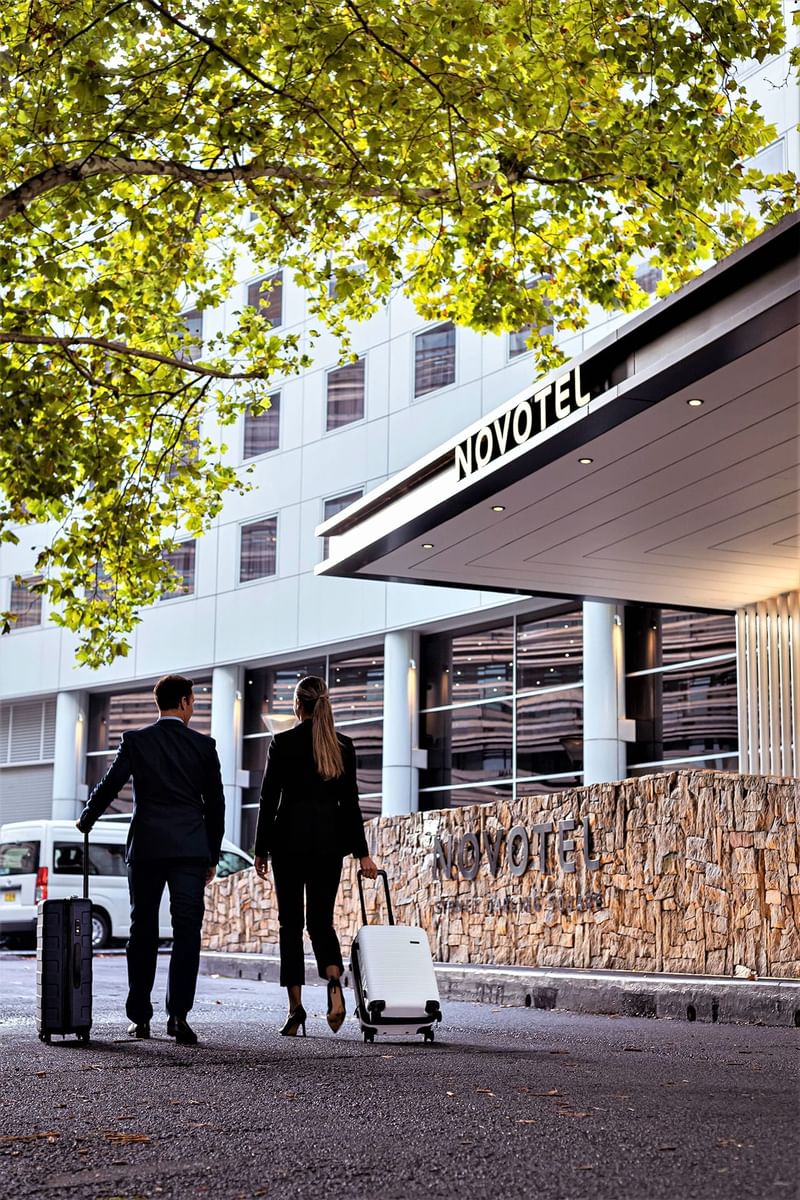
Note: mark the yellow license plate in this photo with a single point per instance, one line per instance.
(10, 896)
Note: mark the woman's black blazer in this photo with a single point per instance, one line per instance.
(302, 813)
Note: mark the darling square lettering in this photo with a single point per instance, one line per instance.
(531, 416)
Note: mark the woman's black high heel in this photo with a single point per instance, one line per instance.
(295, 1020)
(335, 1019)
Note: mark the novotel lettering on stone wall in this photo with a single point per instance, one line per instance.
(516, 850)
(540, 411)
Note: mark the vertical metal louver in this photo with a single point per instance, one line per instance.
(768, 662)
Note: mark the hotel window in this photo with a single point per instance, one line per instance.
(345, 395)
(434, 358)
(333, 506)
(24, 603)
(193, 324)
(266, 295)
(258, 554)
(262, 430)
(182, 560)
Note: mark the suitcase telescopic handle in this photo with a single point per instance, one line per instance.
(86, 865)
(385, 878)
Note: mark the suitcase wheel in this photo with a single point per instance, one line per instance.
(427, 1035)
(369, 1035)
(83, 1037)
(44, 1037)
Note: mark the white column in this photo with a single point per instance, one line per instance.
(69, 794)
(226, 729)
(604, 756)
(400, 779)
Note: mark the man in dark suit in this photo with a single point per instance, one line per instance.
(175, 838)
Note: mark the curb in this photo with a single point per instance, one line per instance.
(772, 1002)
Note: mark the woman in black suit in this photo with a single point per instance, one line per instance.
(308, 820)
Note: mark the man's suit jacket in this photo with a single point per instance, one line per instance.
(178, 798)
(300, 812)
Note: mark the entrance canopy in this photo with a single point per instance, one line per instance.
(660, 466)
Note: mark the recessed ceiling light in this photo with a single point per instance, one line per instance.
(427, 545)
(498, 508)
(695, 402)
(585, 461)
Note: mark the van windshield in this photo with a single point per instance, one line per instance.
(19, 858)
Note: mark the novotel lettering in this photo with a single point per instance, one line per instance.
(523, 848)
(533, 415)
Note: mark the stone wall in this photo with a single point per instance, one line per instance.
(689, 872)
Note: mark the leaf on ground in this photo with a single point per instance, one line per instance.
(551, 1092)
(484, 1091)
(125, 1139)
(571, 1112)
(41, 1074)
(525, 1121)
(49, 1135)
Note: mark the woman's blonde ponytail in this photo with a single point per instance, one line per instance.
(313, 698)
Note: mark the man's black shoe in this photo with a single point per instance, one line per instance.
(139, 1029)
(178, 1028)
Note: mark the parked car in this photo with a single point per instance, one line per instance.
(42, 860)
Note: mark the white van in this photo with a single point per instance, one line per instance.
(41, 860)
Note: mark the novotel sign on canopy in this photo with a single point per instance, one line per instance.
(545, 407)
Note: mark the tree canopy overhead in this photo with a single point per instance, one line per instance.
(504, 162)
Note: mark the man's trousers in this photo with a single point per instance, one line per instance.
(186, 880)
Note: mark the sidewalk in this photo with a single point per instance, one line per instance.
(773, 1002)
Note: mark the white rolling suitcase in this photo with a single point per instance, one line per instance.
(393, 976)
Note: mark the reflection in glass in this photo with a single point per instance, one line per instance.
(269, 691)
(470, 666)
(687, 635)
(550, 733)
(459, 797)
(368, 741)
(699, 714)
(113, 713)
(550, 651)
(543, 785)
(356, 686)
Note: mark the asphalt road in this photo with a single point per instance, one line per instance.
(506, 1103)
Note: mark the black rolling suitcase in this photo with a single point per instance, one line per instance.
(64, 963)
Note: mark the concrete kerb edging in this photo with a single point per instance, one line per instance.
(773, 1002)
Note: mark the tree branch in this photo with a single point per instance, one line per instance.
(9, 337)
(76, 170)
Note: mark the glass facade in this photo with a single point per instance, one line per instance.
(681, 689)
(502, 707)
(356, 686)
(113, 713)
